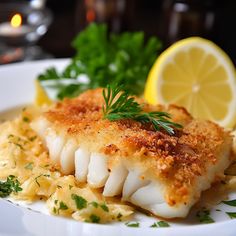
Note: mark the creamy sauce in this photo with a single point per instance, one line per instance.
(23, 155)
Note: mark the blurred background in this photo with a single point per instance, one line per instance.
(170, 20)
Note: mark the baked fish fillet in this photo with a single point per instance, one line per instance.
(160, 173)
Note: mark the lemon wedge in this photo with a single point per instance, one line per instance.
(41, 97)
(198, 75)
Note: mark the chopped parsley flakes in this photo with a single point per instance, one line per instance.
(119, 216)
(70, 186)
(204, 216)
(62, 206)
(36, 178)
(26, 119)
(132, 224)
(94, 204)
(79, 201)
(160, 224)
(230, 202)
(232, 215)
(104, 207)
(32, 138)
(29, 166)
(94, 218)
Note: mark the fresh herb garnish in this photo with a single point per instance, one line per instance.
(94, 218)
(119, 216)
(232, 215)
(32, 138)
(26, 119)
(230, 202)
(29, 166)
(107, 58)
(79, 201)
(132, 224)
(9, 186)
(17, 141)
(54, 210)
(120, 105)
(94, 204)
(36, 178)
(104, 207)
(19, 145)
(70, 187)
(62, 206)
(204, 216)
(160, 224)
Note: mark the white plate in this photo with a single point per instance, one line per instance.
(17, 89)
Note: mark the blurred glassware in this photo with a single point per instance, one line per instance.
(101, 11)
(37, 3)
(185, 18)
(22, 24)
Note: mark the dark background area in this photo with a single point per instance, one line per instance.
(167, 19)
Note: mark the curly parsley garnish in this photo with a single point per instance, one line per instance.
(9, 186)
(119, 105)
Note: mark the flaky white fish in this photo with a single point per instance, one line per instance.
(155, 171)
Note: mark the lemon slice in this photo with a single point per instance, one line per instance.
(197, 74)
(41, 97)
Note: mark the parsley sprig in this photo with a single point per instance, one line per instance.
(120, 105)
(9, 186)
(102, 58)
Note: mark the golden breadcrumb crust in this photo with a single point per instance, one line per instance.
(176, 160)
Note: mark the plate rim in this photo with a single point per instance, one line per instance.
(180, 229)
